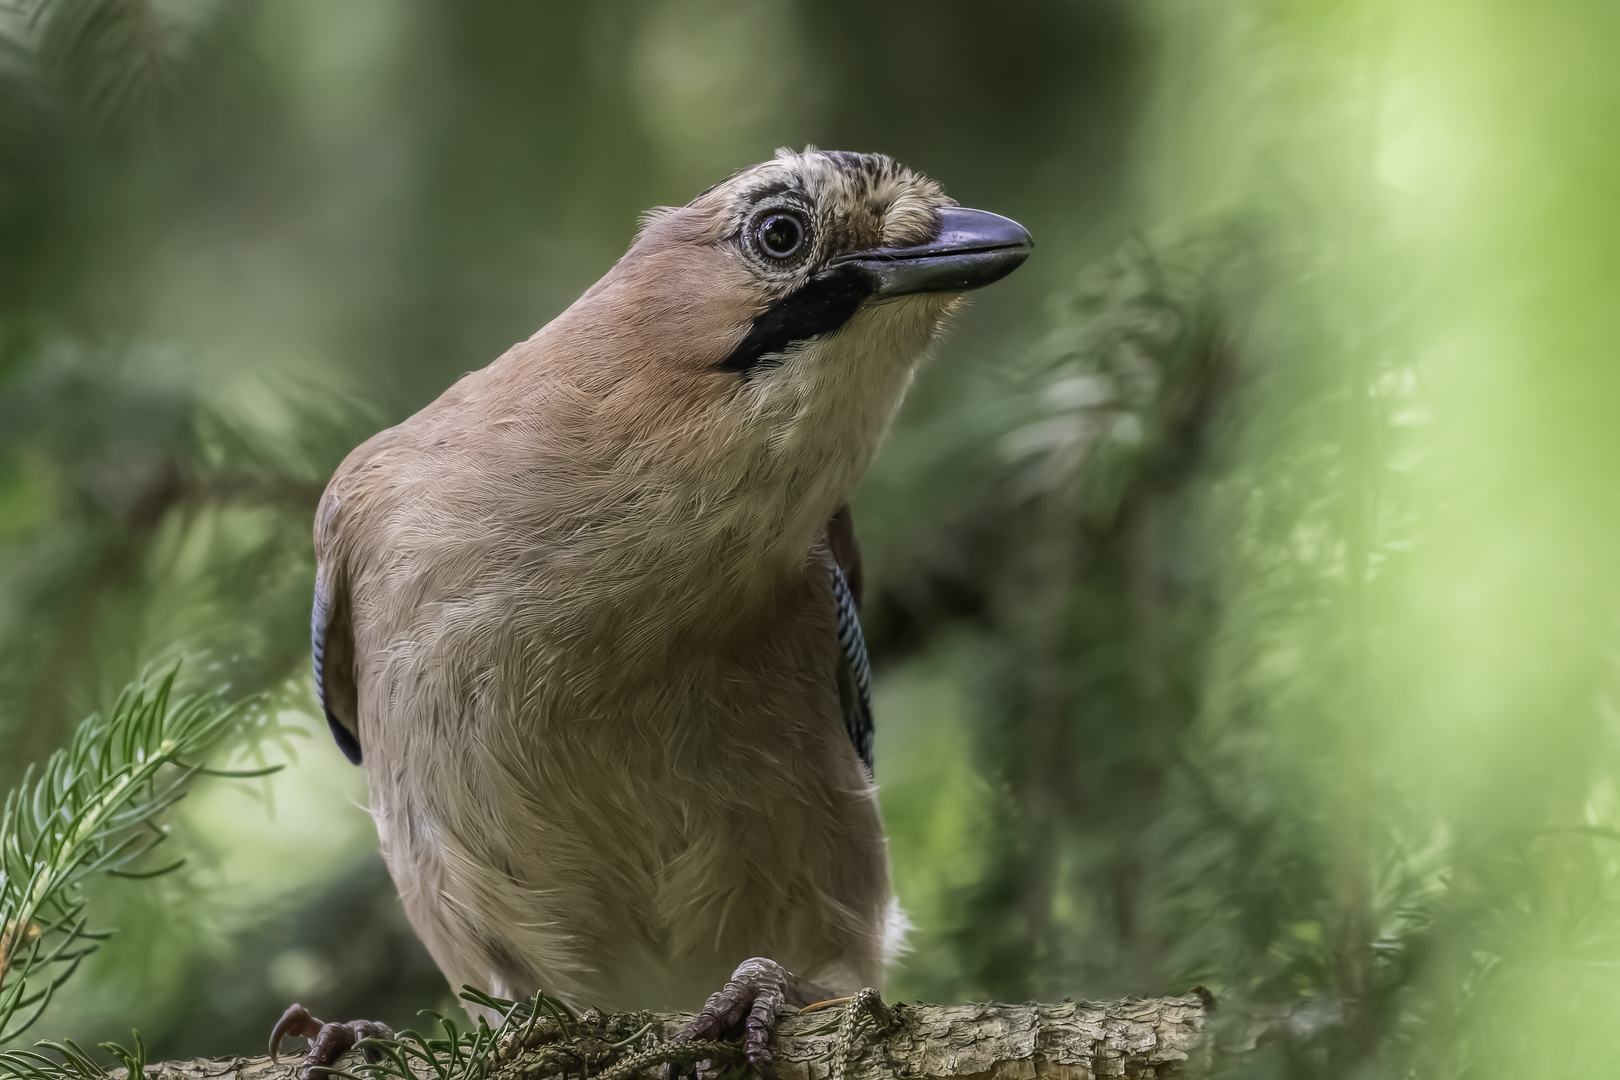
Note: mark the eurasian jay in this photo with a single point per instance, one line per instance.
(589, 620)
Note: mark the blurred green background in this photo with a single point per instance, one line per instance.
(1244, 573)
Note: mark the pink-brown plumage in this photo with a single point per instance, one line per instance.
(577, 613)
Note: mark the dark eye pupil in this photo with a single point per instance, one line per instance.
(780, 235)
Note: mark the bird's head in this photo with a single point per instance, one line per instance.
(760, 339)
(810, 240)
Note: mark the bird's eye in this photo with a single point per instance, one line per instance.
(780, 235)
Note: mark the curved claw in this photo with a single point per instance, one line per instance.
(295, 1021)
(327, 1042)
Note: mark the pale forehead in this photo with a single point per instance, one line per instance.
(856, 189)
(870, 179)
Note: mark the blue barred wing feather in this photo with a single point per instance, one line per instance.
(855, 674)
(331, 640)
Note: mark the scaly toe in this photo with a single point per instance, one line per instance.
(750, 1000)
(327, 1042)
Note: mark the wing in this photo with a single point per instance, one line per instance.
(854, 673)
(331, 636)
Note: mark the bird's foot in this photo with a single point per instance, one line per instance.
(750, 998)
(327, 1042)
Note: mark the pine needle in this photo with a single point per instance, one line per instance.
(92, 809)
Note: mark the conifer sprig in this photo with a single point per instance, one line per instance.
(92, 809)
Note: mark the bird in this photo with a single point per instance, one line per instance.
(589, 621)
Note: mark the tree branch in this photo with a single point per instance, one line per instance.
(1144, 1039)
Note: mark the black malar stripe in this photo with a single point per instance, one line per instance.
(819, 306)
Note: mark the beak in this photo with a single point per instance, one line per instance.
(973, 248)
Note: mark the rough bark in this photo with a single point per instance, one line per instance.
(1148, 1038)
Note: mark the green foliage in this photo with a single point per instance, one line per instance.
(1323, 712)
(92, 809)
(74, 1063)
